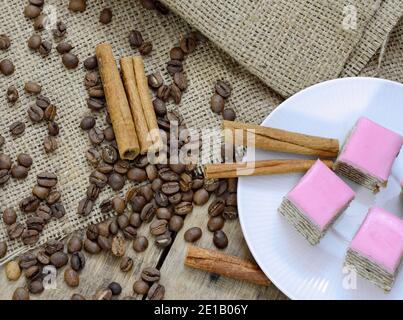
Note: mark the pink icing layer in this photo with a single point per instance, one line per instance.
(380, 239)
(320, 194)
(372, 149)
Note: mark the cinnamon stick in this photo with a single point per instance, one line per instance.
(118, 106)
(278, 140)
(225, 265)
(146, 102)
(258, 168)
(133, 96)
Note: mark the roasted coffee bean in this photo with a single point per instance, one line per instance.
(92, 192)
(19, 172)
(223, 89)
(197, 183)
(163, 240)
(118, 204)
(27, 260)
(163, 213)
(15, 231)
(77, 296)
(77, 261)
(141, 161)
(35, 223)
(201, 197)
(231, 200)
(211, 185)
(7, 67)
(44, 212)
(109, 134)
(85, 207)
(91, 63)
(155, 80)
(161, 8)
(135, 220)
(33, 272)
(103, 294)
(4, 42)
(129, 232)
(230, 213)
(113, 228)
(170, 188)
(118, 246)
(216, 207)
(145, 48)
(31, 11)
(158, 227)
(74, 244)
(96, 136)
(46, 179)
(126, 264)
(77, 5)
(188, 44)
(9, 216)
(21, 294)
(141, 287)
(222, 188)
(53, 246)
(140, 244)
(183, 208)
(12, 94)
(152, 172)
(192, 234)
(5, 161)
(50, 144)
(159, 107)
(58, 210)
(229, 114)
(156, 184)
(215, 223)
(92, 232)
(91, 79)
(42, 102)
(180, 80)
(99, 179)
(91, 246)
(40, 192)
(2, 141)
(4, 176)
(60, 30)
(93, 156)
(70, 60)
(104, 243)
(30, 237)
(36, 287)
(17, 128)
(45, 48)
(138, 203)
(135, 38)
(43, 257)
(109, 154)
(148, 4)
(3, 249)
(71, 278)
(137, 175)
(53, 128)
(32, 87)
(161, 199)
(122, 221)
(38, 3)
(232, 185)
(121, 167)
(150, 274)
(24, 160)
(96, 92)
(87, 123)
(176, 53)
(167, 174)
(175, 93)
(148, 212)
(156, 292)
(217, 103)
(175, 198)
(39, 22)
(146, 191)
(50, 112)
(174, 66)
(220, 239)
(105, 206)
(64, 47)
(105, 168)
(29, 204)
(34, 42)
(116, 288)
(164, 92)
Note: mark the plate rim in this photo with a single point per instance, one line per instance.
(270, 115)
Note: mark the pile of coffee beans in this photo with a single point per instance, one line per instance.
(217, 102)
(6, 65)
(18, 171)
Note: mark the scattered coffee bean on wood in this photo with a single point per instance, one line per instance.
(21, 294)
(220, 239)
(126, 264)
(156, 292)
(141, 287)
(192, 234)
(116, 288)
(71, 278)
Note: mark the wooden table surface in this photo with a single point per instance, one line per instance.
(180, 282)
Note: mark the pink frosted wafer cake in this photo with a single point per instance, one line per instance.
(316, 202)
(368, 154)
(377, 248)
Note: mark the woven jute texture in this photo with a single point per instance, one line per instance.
(293, 44)
(251, 99)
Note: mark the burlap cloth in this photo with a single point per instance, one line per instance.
(287, 44)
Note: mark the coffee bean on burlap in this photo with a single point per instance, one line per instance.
(87, 123)
(24, 159)
(30, 237)
(9, 216)
(155, 80)
(91, 63)
(146, 48)
(29, 204)
(70, 60)
(96, 136)
(5, 161)
(223, 89)
(35, 113)
(34, 42)
(53, 128)
(45, 48)
(42, 102)
(44, 212)
(58, 210)
(17, 128)
(50, 112)
(2, 141)
(60, 30)
(39, 22)
(53, 246)
(12, 94)
(113, 227)
(164, 92)
(135, 38)
(85, 207)
(35, 223)
(3, 249)
(105, 16)
(5, 42)
(188, 44)
(118, 204)
(19, 172)
(77, 5)
(92, 79)
(175, 93)
(32, 87)
(174, 66)
(217, 103)
(27, 260)
(229, 114)
(180, 80)
(64, 47)
(176, 53)
(15, 230)
(46, 179)
(92, 192)
(7, 67)
(4, 176)
(98, 178)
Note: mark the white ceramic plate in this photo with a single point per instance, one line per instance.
(301, 271)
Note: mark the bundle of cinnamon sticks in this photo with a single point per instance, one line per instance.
(129, 104)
